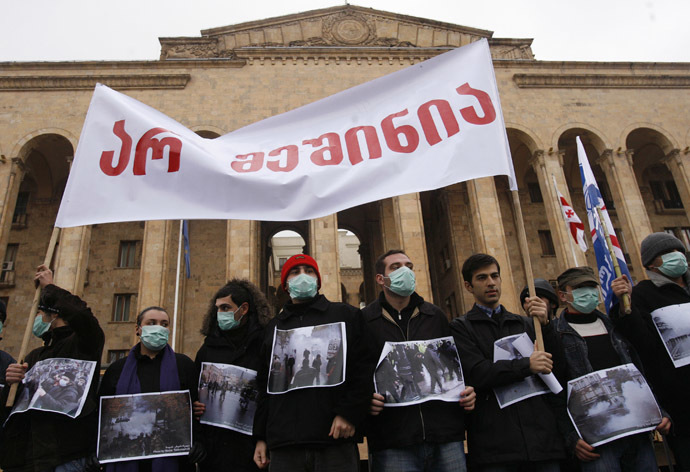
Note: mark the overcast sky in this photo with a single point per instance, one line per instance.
(599, 30)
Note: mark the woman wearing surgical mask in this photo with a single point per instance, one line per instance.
(234, 329)
(152, 366)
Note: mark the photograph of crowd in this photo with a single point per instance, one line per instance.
(144, 425)
(313, 356)
(418, 371)
(229, 393)
(58, 385)
(505, 350)
(612, 403)
(673, 324)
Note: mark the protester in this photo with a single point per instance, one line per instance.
(421, 437)
(152, 366)
(523, 435)
(313, 425)
(234, 330)
(44, 441)
(5, 358)
(588, 341)
(663, 256)
(546, 292)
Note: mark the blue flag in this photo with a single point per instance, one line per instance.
(185, 235)
(593, 200)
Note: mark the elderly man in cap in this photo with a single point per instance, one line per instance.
(305, 425)
(588, 342)
(546, 293)
(663, 256)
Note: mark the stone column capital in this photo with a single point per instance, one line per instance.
(605, 159)
(538, 160)
(19, 163)
(673, 156)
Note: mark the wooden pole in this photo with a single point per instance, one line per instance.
(524, 252)
(616, 267)
(32, 314)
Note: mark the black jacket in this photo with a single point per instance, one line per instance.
(433, 421)
(36, 440)
(670, 384)
(303, 417)
(523, 431)
(149, 374)
(227, 448)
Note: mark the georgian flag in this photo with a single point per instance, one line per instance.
(593, 200)
(575, 225)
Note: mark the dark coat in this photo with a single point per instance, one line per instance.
(434, 421)
(670, 384)
(36, 440)
(227, 448)
(524, 431)
(304, 416)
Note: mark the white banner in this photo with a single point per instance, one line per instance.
(427, 126)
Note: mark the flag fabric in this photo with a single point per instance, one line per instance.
(575, 225)
(593, 200)
(423, 127)
(185, 236)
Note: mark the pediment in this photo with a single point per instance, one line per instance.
(345, 29)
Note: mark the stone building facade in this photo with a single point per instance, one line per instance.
(629, 116)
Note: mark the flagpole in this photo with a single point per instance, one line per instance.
(616, 267)
(32, 314)
(177, 285)
(524, 250)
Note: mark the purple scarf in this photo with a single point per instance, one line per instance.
(129, 384)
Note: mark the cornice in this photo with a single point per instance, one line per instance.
(124, 65)
(338, 54)
(88, 82)
(601, 81)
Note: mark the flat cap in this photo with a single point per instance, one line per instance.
(576, 277)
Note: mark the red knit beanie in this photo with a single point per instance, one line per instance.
(296, 260)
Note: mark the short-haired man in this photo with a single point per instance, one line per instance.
(428, 436)
(663, 256)
(5, 358)
(521, 436)
(546, 292)
(312, 427)
(588, 341)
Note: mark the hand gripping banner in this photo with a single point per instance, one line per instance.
(427, 126)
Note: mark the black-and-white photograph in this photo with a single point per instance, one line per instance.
(229, 393)
(612, 403)
(313, 356)
(673, 324)
(144, 426)
(57, 385)
(418, 371)
(505, 350)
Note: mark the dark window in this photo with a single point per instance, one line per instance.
(116, 354)
(547, 247)
(535, 195)
(666, 192)
(451, 306)
(446, 262)
(682, 233)
(121, 306)
(624, 246)
(19, 217)
(281, 262)
(127, 256)
(7, 273)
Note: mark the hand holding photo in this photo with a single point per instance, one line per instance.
(506, 350)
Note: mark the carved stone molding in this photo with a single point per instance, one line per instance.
(196, 48)
(537, 160)
(601, 81)
(88, 82)
(349, 28)
(673, 156)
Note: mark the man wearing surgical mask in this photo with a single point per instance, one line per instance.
(663, 256)
(312, 427)
(589, 343)
(410, 436)
(152, 366)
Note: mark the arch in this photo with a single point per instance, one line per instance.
(526, 135)
(522, 148)
(20, 151)
(601, 143)
(667, 142)
(208, 132)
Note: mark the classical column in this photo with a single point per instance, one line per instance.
(675, 161)
(13, 173)
(155, 264)
(242, 250)
(630, 208)
(460, 235)
(73, 258)
(548, 166)
(488, 235)
(390, 233)
(323, 241)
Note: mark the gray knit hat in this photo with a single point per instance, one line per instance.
(658, 243)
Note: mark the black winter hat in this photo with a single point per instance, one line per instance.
(543, 289)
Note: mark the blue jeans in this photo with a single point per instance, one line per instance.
(630, 454)
(426, 457)
(76, 465)
(538, 466)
